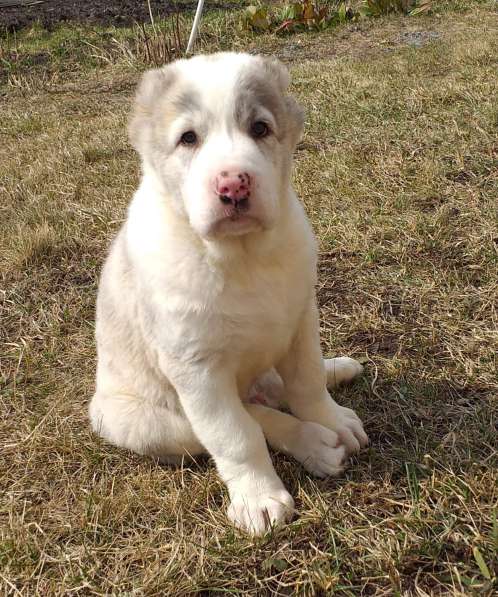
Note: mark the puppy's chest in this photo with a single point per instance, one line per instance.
(258, 311)
(250, 316)
(258, 316)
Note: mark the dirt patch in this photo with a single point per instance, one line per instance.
(103, 12)
(418, 38)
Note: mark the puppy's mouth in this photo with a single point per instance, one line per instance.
(237, 213)
(235, 206)
(235, 223)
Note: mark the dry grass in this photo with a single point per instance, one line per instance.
(398, 171)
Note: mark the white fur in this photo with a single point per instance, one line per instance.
(192, 317)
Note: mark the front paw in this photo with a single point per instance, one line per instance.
(258, 511)
(319, 450)
(348, 426)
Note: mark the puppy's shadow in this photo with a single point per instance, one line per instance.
(411, 421)
(408, 422)
(198, 463)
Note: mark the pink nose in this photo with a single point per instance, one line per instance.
(233, 187)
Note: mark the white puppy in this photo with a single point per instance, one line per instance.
(208, 290)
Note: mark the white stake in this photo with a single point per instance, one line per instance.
(195, 26)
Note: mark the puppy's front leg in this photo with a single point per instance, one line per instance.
(305, 379)
(211, 402)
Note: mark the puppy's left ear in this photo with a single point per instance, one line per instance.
(295, 114)
(277, 72)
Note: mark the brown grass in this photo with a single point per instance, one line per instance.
(398, 171)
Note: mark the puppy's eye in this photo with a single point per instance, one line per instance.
(259, 129)
(188, 138)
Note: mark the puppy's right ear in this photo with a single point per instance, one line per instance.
(151, 87)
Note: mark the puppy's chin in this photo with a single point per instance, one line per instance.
(229, 227)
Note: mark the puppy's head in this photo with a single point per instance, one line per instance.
(219, 132)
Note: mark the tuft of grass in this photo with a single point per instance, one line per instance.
(398, 173)
(147, 45)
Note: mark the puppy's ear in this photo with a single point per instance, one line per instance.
(295, 113)
(277, 72)
(152, 85)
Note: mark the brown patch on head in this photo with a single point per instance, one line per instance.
(264, 84)
(276, 72)
(161, 97)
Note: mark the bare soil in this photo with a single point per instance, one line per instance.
(104, 12)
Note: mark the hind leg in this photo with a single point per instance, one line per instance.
(341, 370)
(317, 448)
(143, 427)
(269, 388)
(306, 377)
